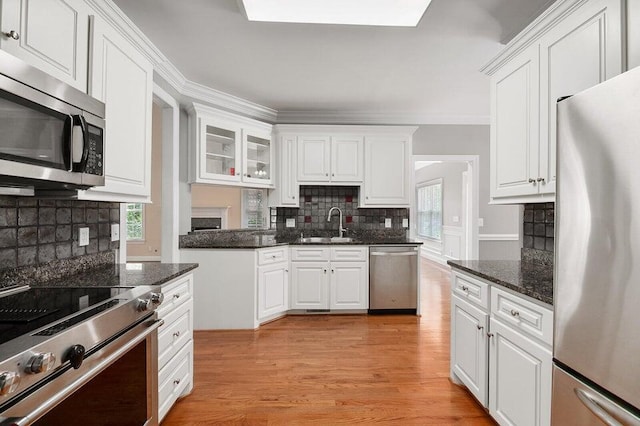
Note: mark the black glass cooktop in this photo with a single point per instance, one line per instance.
(26, 311)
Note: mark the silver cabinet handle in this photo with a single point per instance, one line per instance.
(176, 382)
(13, 34)
(333, 174)
(237, 173)
(515, 313)
(333, 271)
(286, 270)
(465, 288)
(273, 256)
(325, 271)
(176, 334)
(540, 179)
(489, 335)
(176, 296)
(294, 197)
(533, 181)
(326, 174)
(480, 327)
(605, 410)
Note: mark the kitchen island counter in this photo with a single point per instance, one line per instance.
(531, 279)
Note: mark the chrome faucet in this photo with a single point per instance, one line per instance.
(341, 229)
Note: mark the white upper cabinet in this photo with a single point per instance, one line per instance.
(386, 168)
(633, 35)
(122, 78)
(572, 47)
(52, 35)
(335, 159)
(514, 126)
(287, 190)
(228, 149)
(582, 51)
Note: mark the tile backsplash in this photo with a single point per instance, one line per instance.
(538, 228)
(37, 231)
(316, 201)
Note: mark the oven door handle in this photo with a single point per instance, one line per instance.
(54, 400)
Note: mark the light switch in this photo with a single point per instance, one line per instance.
(387, 222)
(83, 237)
(405, 223)
(115, 232)
(291, 223)
(480, 222)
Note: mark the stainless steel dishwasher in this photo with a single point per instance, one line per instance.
(393, 279)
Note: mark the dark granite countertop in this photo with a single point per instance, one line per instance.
(123, 275)
(362, 243)
(528, 278)
(231, 245)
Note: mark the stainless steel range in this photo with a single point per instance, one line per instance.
(88, 354)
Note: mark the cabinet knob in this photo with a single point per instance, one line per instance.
(465, 288)
(176, 334)
(176, 382)
(13, 34)
(532, 181)
(515, 313)
(333, 174)
(489, 335)
(333, 271)
(325, 271)
(480, 327)
(540, 179)
(326, 174)
(176, 296)
(294, 197)
(366, 198)
(286, 270)
(237, 173)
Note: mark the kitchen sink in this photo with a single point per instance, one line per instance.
(325, 240)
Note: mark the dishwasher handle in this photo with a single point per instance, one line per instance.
(402, 253)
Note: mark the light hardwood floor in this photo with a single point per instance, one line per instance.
(327, 370)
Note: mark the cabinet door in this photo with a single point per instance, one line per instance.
(469, 347)
(349, 287)
(289, 189)
(314, 159)
(581, 51)
(53, 36)
(257, 157)
(519, 378)
(122, 78)
(273, 289)
(515, 127)
(386, 166)
(347, 158)
(220, 150)
(309, 285)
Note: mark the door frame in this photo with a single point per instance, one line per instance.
(470, 222)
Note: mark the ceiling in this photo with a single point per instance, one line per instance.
(430, 71)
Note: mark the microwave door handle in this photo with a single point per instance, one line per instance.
(67, 153)
(80, 151)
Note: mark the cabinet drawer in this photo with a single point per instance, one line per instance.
(174, 378)
(175, 294)
(349, 254)
(526, 316)
(274, 255)
(306, 254)
(175, 332)
(470, 289)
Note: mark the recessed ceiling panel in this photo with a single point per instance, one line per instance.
(395, 13)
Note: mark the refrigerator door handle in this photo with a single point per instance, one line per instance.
(605, 411)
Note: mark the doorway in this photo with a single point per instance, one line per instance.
(444, 206)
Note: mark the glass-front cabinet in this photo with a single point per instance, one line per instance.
(229, 149)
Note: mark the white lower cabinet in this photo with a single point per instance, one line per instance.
(501, 351)
(175, 343)
(273, 290)
(519, 378)
(323, 283)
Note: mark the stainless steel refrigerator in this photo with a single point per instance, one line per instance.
(596, 375)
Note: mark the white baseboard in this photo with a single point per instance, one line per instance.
(498, 237)
(433, 256)
(143, 258)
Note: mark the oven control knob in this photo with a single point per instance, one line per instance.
(9, 382)
(75, 356)
(40, 363)
(143, 305)
(157, 298)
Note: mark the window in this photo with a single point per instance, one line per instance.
(135, 222)
(429, 209)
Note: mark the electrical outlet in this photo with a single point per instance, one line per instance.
(115, 232)
(480, 222)
(387, 222)
(291, 223)
(83, 302)
(456, 219)
(405, 223)
(83, 237)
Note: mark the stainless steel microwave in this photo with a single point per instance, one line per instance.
(51, 134)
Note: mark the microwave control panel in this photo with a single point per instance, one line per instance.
(95, 157)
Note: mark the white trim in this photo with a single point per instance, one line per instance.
(532, 33)
(365, 117)
(525, 199)
(343, 129)
(432, 256)
(499, 237)
(143, 259)
(170, 214)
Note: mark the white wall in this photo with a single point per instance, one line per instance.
(474, 140)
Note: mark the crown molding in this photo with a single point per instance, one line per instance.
(376, 118)
(543, 23)
(344, 129)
